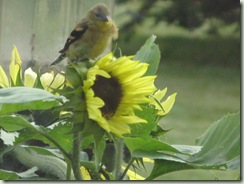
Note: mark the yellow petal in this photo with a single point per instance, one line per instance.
(3, 78)
(30, 78)
(15, 65)
(133, 176)
(168, 104)
(148, 160)
(160, 94)
(46, 80)
(58, 81)
(85, 174)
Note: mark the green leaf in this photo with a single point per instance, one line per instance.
(57, 135)
(17, 99)
(18, 81)
(99, 144)
(10, 175)
(144, 129)
(14, 123)
(72, 75)
(221, 143)
(60, 133)
(149, 53)
(184, 151)
(220, 150)
(158, 131)
(45, 151)
(165, 166)
(189, 150)
(148, 144)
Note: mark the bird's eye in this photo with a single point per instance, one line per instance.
(101, 17)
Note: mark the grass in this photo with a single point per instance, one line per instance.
(204, 95)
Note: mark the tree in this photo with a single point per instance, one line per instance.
(189, 14)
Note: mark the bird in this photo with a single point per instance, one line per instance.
(90, 37)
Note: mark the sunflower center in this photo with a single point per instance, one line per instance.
(109, 90)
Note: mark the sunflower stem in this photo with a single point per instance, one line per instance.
(119, 144)
(76, 155)
(68, 175)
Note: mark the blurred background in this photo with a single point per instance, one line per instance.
(200, 60)
(200, 53)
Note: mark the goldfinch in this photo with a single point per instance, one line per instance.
(90, 37)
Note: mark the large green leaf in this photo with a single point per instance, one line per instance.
(60, 133)
(22, 98)
(144, 129)
(11, 175)
(165, 166)
(99, 147)
(221, 143)
(8, 175)
(14, 122)
(149, 53)
(220, 150)
(148, 144)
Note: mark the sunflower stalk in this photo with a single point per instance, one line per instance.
(69, 170)
(119, 144)
(76, 155)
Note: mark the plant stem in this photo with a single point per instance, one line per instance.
(76, 156)
(69, 170)
(127, 168)
(119, 143)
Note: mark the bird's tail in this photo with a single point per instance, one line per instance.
(58, 59)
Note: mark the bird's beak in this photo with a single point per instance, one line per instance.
(105, 18)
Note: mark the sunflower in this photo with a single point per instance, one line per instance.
(114, 88)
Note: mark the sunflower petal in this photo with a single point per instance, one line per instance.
(3, 78)
(30, 77)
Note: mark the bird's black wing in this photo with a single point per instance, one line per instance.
(76, 34)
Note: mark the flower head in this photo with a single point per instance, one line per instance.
(114, 88)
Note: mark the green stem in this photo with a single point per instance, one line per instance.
(76, 156)
(127, 168)
(68, 176)
(119, 144)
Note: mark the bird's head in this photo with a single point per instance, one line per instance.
(99, 15)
